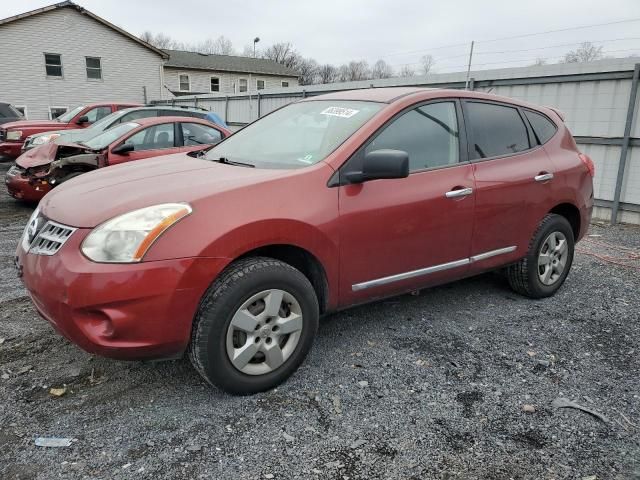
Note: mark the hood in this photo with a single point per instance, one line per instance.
(51, 124)
(38, 156)
(46, 153)
(94, 197)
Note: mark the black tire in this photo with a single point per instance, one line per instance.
(237, 283)
(523, 276)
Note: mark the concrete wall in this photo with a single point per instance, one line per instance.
(127, 66)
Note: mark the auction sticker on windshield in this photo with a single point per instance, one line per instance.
(339, 112)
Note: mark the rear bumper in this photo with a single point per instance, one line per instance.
(11, 149)
(123, 311)
(20, 188)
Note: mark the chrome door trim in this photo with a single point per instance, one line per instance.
(492, 253)
(543, 177)
(463, 192)
(406, 275)
(428, 270)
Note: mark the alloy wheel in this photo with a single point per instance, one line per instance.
(264, 332)
(552, 258)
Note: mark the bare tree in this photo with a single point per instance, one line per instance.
(357, 71)
(539, 61)
(219, 46)
(307, 68)
(586, 52)
(407, 71)
(159, 40)
(327, 73)
(284, 54)
(381, 69)
(427, 62)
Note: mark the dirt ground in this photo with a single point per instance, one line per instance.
(429, 386)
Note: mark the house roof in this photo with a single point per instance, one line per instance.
(82, 10)
(226, 63)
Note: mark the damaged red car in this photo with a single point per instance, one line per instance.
(39, 170)
(13, 134)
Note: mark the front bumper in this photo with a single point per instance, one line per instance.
(123, 311)
(11, 149)
(21, 188)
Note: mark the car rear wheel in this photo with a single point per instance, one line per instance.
(547, 263)
(255, 326)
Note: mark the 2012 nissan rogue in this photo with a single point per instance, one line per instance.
(326, 203)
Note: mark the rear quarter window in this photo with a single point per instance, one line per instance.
(542, 126)
(496, 130)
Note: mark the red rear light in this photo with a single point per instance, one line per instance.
(588, 163)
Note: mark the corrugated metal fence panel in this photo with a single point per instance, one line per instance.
(605, 158)
(269, 104)
(631, 184)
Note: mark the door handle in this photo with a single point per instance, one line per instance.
(543, 177)
(462, 192)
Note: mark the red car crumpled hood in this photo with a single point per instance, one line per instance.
(40, 155)
(94, 197)
(44, 154)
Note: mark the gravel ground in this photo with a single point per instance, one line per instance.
(426, 386)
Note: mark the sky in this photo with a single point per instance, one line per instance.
(399, 31)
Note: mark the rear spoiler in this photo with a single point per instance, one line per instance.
(558, 112)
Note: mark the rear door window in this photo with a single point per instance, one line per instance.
(495, 130)
(197, 134)
(542, 126)
(153, 138)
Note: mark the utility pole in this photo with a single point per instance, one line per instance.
(466, 83)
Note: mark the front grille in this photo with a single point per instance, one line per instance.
(50, 238)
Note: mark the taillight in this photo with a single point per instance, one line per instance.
(588, 163)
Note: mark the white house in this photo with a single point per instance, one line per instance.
(191, 73)
(59, 56)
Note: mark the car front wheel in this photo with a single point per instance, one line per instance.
(547, 263)
(255, 326)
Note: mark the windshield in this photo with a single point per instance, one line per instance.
(69, 114)
(106, 138)
(298, 135)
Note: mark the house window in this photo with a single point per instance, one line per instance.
(53, 64)
(242, 85)
(215, 84)
(94, 68)
(22, 109)
(260, 84)
(185, 83)
(284, 84)
(55, 112)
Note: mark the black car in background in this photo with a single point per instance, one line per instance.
(8, 113)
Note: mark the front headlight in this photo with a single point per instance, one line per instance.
(14, 134)
(41, 140)
(126, 238)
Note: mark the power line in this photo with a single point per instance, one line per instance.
(466, 44)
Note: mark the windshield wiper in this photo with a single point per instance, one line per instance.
(226, 161)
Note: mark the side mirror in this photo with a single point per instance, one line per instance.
(381, 164)
(123, 149)
(82, 119)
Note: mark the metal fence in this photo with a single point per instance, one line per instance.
(599, 100)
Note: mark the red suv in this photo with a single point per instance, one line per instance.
(326, 203)
(13, 134)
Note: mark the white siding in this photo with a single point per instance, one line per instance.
(200, 80)
(127, 66)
